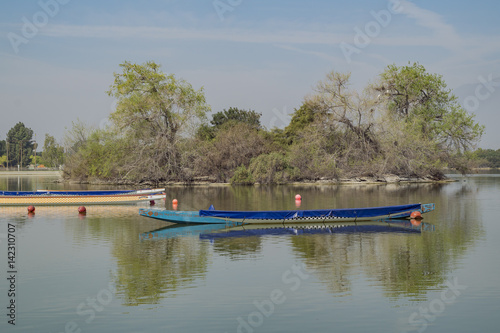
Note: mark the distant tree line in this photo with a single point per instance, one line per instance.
(488, 158)
(406, 123)
(20, 149)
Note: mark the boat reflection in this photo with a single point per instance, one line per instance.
(180, 230)
(214, 231)
(389, 226)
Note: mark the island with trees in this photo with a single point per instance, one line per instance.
(406, 125)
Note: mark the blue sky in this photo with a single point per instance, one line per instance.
(251, 54)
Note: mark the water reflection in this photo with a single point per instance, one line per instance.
(180, 230)
(151, 268)
(402, 264)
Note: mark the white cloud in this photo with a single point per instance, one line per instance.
(444, 33)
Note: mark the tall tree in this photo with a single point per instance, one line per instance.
(19, 145)
(424, 102)
(154, 110)
(341, 106)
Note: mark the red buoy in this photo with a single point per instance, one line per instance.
(31, 209)
(175, 202)
(298, 197)
(82, 210)
(416, 215)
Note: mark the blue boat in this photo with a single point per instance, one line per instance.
(234, 218)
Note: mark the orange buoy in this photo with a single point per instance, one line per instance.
(416, 215)
(82, 210)
(175, 202)
(298, 197)
(31, 209)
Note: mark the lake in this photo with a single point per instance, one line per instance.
(112, 270)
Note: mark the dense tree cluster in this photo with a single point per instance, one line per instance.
(406, 123)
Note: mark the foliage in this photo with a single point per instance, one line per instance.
(316, 152)
(232, 147)
(408, 153)
(490, 158)
(407, 124)
(53, 153)
(228, 118)
(153, 111)
(100, 157)
(272, 168)
(3, 147)
(76, 136)
(302, 117)
(336, 104)
(424, 102)
(3, 160)
(242, 176)
(19, 145)
(249, 117)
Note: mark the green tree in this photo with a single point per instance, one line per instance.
(233, 114)
(228, 118)
(3, 147)
(154, 110)
(423, 101)
(19, 145)
(302, 117)
(52, 155)
(490, 157)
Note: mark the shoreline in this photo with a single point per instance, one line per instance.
(392, 179)
(382, 180)
(32, 173)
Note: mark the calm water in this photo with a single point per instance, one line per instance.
(103, 272)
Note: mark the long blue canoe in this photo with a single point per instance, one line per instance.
(284, 216)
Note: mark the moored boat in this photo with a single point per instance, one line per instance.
(93, 197)
(286, 216)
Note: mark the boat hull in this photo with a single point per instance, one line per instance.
(77, 200)
(184, 217)
(340, 215)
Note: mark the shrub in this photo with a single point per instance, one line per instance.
(272, 168)
(242, 176)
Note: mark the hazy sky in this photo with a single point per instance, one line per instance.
(57, 57)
